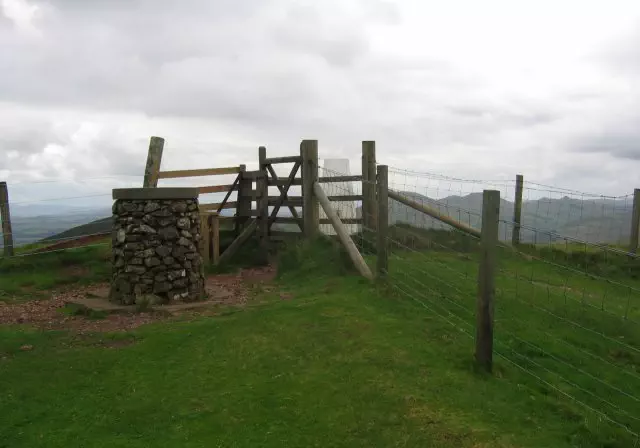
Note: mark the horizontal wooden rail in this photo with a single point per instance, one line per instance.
(252, 174)
(344, 221)
(216, 189)
(354, 178)
(346, 198)
(216, 206)
(295, 201)
(284, 182)
(289, 159)
(196, 173)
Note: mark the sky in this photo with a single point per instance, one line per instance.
(462, 88)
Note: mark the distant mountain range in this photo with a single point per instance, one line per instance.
(594, 221)
(601, 221)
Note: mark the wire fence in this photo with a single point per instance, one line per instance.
(566, 315)
(555, 213)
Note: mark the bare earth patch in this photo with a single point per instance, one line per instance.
(224, 289)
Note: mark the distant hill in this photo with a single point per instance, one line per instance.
(595, 221)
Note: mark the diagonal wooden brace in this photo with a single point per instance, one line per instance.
(283, 194)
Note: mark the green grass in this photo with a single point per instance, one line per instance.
(340, 363)
(31, 276)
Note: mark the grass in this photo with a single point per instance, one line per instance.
(342, 363)
(31, 276)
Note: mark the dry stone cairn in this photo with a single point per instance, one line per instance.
(155, 256)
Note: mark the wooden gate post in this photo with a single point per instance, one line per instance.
(383, 221)
(486, 279)
(369, 220)
(635, 222)
(243, 207)
(154, 158)
(5, 216)
(262, 203)
(517, 210)
(310, 209)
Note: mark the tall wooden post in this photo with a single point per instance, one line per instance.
(310, 209)
(517, 210)
(383, 221)
(154, 158)
(5, 216)
(215, 238)
(368, 185)
(262, 203)
(243, 209)
(635, 222)
(486, 279)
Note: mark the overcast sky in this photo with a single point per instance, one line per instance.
(466, 88)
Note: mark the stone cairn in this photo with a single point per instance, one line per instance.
(155, 256)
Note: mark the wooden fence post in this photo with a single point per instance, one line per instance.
(154, 158)
(368, 185)
(635, 222)
(262, 203)
(383, 221)
(215, 238)
(5, 216)
(243, 209)
(517, 210)
(310, 210)
(205, 234)
(486, 279)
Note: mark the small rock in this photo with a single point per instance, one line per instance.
(135, 261)
(151, 262)
(161, 287)
(169, 233)
(162, 213)
(186, 234)
(134, 269)
(168, 260)
(183, 223)
(184, 242)
(26, 348)
(174, 275)
(146, 230)
(121, 236)
(163, 251)
(179, 207)
(151, 207)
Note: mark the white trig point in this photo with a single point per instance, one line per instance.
(344, 210)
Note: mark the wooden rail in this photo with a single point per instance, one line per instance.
(196, 173)
(354, 178)
(289, 159)
(217, 189)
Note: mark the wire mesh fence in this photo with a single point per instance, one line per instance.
(566, 315)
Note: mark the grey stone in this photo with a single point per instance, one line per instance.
(145, 229)
(134, 238)
(151, 262)
(160, 278)
(186, 234)
(179, 252)
(135, 260)
(192, 207)
(179, 207)
(129, 207)
(138, 214)
(159, 268)
(134, 269)
(121, 236)
(169, 233)
(184, 242)
(165, 222)
(133, 246)
(163, 251)
(180, 283)
(148, 281)
(174, 275)
(151, 207)
(150, 220)
(168, 260)
(183, 223)
(148, 253)
(187, 264)
(161, 287)
(162, 213)
(191, 256)
(119, 262)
